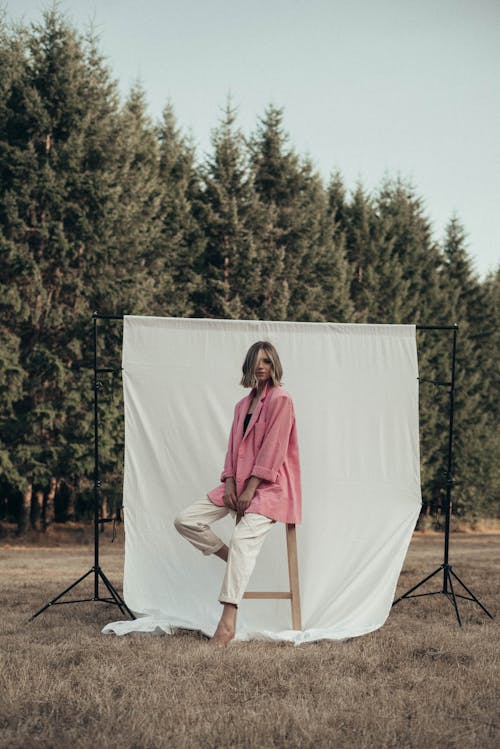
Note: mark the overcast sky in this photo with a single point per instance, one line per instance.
(369, 87)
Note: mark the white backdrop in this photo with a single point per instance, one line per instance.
(355, 392)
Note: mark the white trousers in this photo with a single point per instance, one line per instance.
(246, 542)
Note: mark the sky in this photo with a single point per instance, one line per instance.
(370, 88)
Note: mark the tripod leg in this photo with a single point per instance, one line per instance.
(453, 598)
(471, 593)
(406, 595)
(115, 595)
(62, 594)
(119, 600)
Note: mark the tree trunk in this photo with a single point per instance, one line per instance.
(36, 509)
(25, 512)
(48, 504)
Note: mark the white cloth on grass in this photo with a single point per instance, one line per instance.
(355, 391)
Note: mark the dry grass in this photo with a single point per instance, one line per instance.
(420, 681)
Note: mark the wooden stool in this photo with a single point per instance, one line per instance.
(293, 574)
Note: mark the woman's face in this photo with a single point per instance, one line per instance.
(263, 367)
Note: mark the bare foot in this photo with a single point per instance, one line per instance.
(223, 634)
(226, 627)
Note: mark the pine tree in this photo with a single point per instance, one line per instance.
(279, 184)
(72, 230)
(43, 223)
(409, 233)
(377, 286)
(325, 269)
(231, 262)
(181, 242)
(127, 259)
(312, 269)
(419, 260)
(473, 429)
(486, 336)
(337, 203)
(12, 372)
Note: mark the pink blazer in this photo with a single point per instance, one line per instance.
(270, 451)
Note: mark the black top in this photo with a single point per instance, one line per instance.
(246, 422)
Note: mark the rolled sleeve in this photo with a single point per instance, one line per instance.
(267, 474)
(273, 450)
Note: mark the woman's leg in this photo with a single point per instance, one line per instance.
(226, 626)
(194, 524)
(245, 544)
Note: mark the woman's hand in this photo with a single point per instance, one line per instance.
(230, 493)
(243, 501)
(247, 495)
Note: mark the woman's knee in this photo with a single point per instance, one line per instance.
(180, 522)
(186, 522)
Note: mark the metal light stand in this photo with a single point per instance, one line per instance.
(448, 572)
(96, 570)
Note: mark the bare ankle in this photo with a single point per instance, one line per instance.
(229, 615)
(226, 629)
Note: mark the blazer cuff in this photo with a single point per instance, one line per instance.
(261, 472)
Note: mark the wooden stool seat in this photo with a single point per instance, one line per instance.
(293, 573)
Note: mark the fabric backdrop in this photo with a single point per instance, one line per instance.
(355, 392)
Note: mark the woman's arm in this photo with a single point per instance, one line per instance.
(246, 495)
(230, 498)
(272, 452)
(228, 470)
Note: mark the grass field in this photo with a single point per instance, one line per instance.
(420, 681)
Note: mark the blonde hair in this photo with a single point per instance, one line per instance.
(249, 379)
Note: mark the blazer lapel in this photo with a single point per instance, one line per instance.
(243, 410)
(257, 410)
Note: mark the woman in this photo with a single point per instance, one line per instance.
(260, 481)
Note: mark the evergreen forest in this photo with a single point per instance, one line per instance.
(103, 209)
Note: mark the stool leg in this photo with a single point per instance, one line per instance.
(293, 573)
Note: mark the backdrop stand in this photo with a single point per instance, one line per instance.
(448, 572)
(97, 571)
